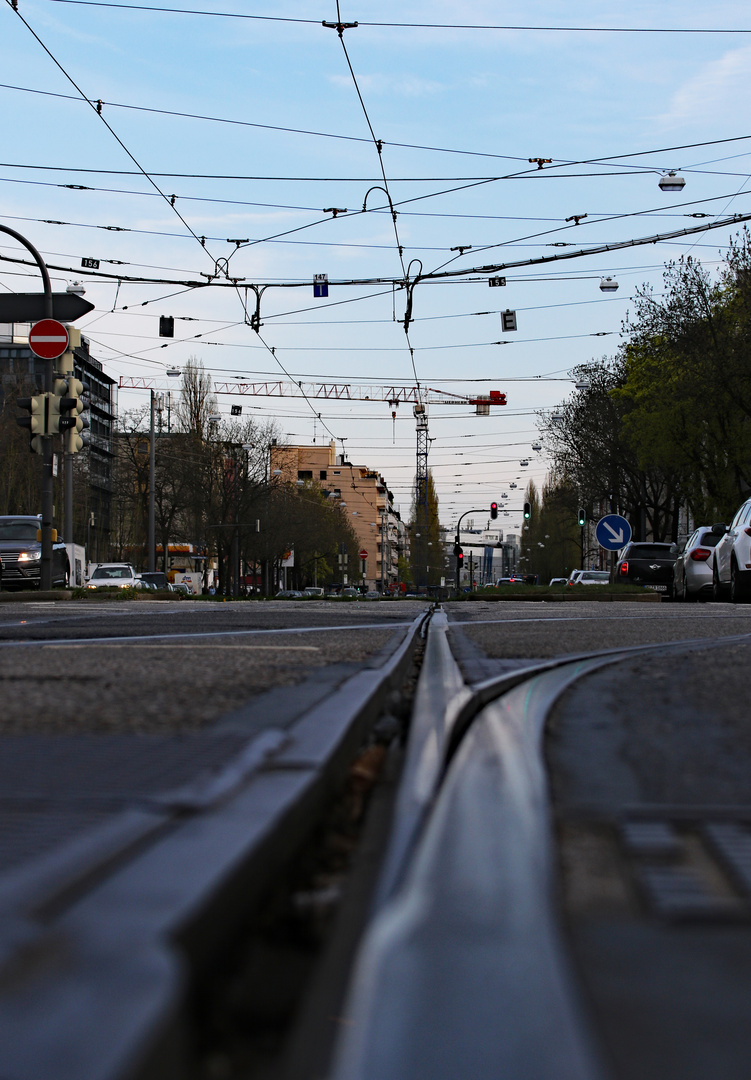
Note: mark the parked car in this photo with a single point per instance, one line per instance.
(573, 577)
(648, 564)
(21, 553)
(157, 579)
(287, 594)
(350, 591)
(558, 581)
(509, 581)
(373, 594)
(731, 566)
(181, 587)
(115, 575)
(593, 577)
(313, 590)
(692, 573)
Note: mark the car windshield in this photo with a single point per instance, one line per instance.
(19, 530)
(112, 572)
(649, 551)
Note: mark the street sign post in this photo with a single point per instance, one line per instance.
(48, 339)
(613, 532)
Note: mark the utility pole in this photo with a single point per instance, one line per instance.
(152, 484)
(457, 545)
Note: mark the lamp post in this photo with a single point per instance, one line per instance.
(45, 582)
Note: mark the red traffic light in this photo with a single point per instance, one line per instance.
(494, 510)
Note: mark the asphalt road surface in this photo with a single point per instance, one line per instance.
(649, 764)
(153, 666)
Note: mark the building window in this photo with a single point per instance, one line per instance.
(322, 474)
(304, 474)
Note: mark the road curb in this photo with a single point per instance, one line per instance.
(119, 923)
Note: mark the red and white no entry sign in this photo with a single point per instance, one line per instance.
(48, 339)
(363, 553)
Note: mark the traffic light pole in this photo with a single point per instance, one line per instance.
(49, 368)
(456, 542)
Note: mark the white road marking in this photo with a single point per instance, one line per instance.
(204, 635)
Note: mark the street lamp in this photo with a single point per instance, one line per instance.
(671, 181)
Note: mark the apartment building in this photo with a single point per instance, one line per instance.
(362, 493)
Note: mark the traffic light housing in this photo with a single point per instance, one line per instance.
(36, 421)
(527, 511)
(582, 517)
(494, 510)
(65, 408)
(459, 558)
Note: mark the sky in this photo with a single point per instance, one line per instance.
(252, 121)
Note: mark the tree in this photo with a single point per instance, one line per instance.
(596, 454)
(553, 535)
(687, 381)
(427, 550)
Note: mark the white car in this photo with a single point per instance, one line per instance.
(593, 577)
(115, 575)
(692, 573)
(731, 567)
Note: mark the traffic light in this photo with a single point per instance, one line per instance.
(65, 407)
(494, 510)
(459, 559)
(582, 517)
(35, 421)
(527, 511)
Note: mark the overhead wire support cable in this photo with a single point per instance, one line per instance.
(474, 273)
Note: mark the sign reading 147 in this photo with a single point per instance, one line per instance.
(613, 532)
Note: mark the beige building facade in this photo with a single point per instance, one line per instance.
(363, 494)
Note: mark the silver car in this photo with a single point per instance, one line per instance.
(731, 566)
(692, 573)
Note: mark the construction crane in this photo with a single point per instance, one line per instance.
(417, 396)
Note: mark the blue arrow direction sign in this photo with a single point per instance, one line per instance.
(613, 532)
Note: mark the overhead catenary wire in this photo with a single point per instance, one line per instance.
(413, 25)
(98, 112)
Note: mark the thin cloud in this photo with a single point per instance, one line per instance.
(721, 88)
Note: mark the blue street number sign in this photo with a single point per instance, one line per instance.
(613, 532)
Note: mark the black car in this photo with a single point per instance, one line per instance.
(21, 553)
(650, 565)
